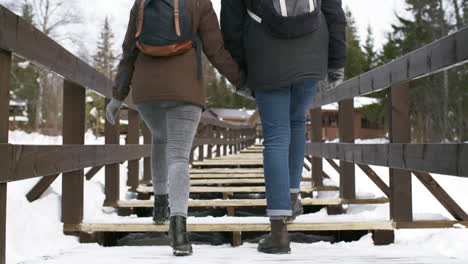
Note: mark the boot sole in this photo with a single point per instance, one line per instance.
(275, 251)
(182, 251)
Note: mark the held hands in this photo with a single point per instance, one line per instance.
(335, 77)
(112, 110)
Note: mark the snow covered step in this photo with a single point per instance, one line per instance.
(212, 226)
(258, 189)
(248, 203)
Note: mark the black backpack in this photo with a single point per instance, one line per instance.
(288, 19)
(164, 29)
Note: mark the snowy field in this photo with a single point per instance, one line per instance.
(34, 230)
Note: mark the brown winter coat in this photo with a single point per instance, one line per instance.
(175, 78)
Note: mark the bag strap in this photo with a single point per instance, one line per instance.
(141, 16)
(177, 18)
(254, 16)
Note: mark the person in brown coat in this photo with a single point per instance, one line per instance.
(170, 96)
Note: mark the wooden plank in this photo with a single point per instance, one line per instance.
(441, 195)
(418, 157)
(39, 189)
(247, 203)
(401, 202)
(221, 163)
(226, 171)
(231, 227)
(376, 179)
(333, 164)
(74, 104)
(226, 181)
(133, 138)
(260, 189)
(224, 176)
(33, 161)
(5, 70)
(92, 172)
(112, 171)
(442, 54)
(430, 224)
(346, 132)
(316, 136)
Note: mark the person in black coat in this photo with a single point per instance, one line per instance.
(283, 75)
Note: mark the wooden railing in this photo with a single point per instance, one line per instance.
(19, 162)
(401, 156)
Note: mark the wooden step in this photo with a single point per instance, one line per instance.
(251, 151)
(226, 181)
(227, 176)
(259, 189)
(247, 203)
(231, 162)
(221, 179)
(226, 171)
(260, 227)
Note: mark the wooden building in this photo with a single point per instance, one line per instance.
(18, 116)
(364, 129)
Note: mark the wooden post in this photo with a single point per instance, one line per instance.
(201, 148)
(133, 179)
(401, 203)
(346, 131)
(231, 137)
(218, 146)
(225, 138)
(210, 134)
(5, 70)
(74, 105)
(112, 171)
(147, 161)
(316, 136)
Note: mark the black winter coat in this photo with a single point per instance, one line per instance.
(273, 63)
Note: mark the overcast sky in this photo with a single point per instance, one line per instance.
(380, 14)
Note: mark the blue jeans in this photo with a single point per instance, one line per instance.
(283, 115)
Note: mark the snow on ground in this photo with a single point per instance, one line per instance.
(34, 229)
(361, 252)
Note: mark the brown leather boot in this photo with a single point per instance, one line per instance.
(296, 207)
(277, 242)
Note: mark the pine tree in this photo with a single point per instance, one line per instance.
(356, 59)
(105, 62)
(24, 74)
(370, 52)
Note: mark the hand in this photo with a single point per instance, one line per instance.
(246, 92)
(112, 110)
(335, 77)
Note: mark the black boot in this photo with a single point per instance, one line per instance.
(161, 209)
(178, 236)
(277, 242)
(296, 206)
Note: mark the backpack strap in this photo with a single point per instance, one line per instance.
(254, 16)
(177, 18)
(141, 16)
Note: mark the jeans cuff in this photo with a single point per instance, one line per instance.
(296, 190)
(273, 213)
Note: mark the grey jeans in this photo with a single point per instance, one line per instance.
(173, 126)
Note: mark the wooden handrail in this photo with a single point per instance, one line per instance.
(443, 54)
